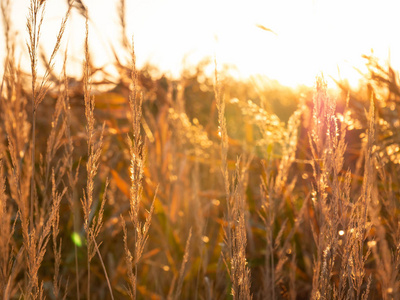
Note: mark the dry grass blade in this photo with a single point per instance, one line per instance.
(137, 161)
(34, 24)
(92, 229)
(56, 199)
(240, 272)
(7, 229)
(122, 21)
(235, 232)
(183, 266)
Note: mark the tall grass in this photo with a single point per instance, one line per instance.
(235, 239)
(192, 188)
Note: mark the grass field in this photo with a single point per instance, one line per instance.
(202, 187)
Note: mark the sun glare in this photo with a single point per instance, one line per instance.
(291, 41)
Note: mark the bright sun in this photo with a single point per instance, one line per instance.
(303, 38)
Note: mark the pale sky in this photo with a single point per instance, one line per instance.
(312, 36)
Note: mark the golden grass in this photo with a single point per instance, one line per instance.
(185, 195)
